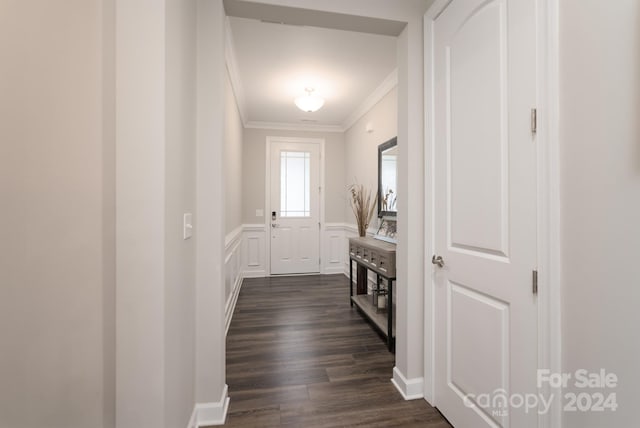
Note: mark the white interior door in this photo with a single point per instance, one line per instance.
(485, 212)
(295, 208)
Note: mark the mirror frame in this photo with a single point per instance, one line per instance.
(381, 148)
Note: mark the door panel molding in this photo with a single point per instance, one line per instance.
(492, 316)
(489, 120)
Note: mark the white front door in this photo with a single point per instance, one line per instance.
(484, 75)
(294, 207)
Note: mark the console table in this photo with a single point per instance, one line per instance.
(379, 257)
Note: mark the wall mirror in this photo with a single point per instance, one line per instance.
(388, 178)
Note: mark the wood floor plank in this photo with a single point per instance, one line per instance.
(299, 356)
(267, 397)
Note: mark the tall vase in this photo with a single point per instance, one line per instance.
(361, 284)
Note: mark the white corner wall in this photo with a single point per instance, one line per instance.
(411, 216)
(156, 179)
(210, 389)
(600, 199)
(180, 198)
(56, 227)
(140, 214)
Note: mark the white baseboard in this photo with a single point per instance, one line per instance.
(333, 270)
(232, 303)
(410, 389)
(254, 274)
(207, 414)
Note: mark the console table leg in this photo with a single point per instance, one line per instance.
(351, 281)
(390, 338)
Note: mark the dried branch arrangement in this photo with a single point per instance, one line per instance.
(363, 204)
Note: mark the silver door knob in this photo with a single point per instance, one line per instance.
(437, 260)
(274, 225)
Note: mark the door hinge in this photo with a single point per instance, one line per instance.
(534, 120)
(534, 281)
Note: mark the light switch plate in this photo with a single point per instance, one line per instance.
(187, 226)
(259, 213)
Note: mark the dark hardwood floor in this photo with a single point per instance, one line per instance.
(299, 356)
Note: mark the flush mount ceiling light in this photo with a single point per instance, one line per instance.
(309, 102)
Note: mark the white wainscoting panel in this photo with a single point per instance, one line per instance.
(333, 251)
(233, 272)
(254, 250)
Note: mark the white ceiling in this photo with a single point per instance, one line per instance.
(272, 63)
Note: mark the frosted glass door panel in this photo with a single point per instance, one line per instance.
(295, 184)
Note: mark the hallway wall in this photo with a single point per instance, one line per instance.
(57, 218)
(600, 198)
(233, 156)
(411, 357)
(361, 147)
(253, 166)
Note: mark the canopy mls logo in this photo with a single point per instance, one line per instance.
(593, 394)
(498, 402)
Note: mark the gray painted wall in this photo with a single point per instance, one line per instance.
(600, 198)
(361, 147)
(253, 166)
(233, 159)
(56, 228)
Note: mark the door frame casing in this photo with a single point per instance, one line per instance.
(267, 194)
(548, 200)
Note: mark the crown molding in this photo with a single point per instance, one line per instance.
(282, 126)
(390, 82)
(234, 74)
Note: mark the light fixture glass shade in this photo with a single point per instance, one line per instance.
(309, 103)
